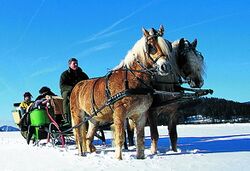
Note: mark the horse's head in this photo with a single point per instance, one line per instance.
(150, 52)
(157, 51)
(190, 63)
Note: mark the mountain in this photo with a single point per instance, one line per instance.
(6, 128)
(247, 103)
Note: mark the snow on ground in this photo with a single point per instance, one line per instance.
(201, 147)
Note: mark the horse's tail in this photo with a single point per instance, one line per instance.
(77, 116)
(131, 124)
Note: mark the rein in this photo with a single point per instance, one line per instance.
(181, 96)
(112, 99)
(127, 92)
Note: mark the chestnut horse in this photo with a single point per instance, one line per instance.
(124, 92)
(188, 63)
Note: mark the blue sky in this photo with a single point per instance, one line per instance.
(38, 37)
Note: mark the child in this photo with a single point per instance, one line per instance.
(26, 103)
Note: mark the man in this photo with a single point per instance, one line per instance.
(68, 80)
(44, 91)
(24, 106)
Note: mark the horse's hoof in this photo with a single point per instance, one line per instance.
(82, 154)
(141, 157)
(91, 149)
(118, 157)
(153, 151)
(174, 149)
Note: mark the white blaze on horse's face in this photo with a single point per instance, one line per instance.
(162, 66)
(162, 62)
(157, 50)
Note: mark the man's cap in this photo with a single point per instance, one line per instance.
(44, 90)
(27, 94)
(72, 59)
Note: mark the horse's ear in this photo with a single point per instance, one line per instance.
(161, 30)
(145, 32)
(182, 43)
(194, 43)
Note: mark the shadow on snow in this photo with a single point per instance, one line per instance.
(201, 145)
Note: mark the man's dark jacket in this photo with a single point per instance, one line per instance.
(70, 78)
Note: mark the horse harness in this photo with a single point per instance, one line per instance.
(111, 99)
(128, 91)
(185, 50)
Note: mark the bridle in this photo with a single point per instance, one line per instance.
(185, 50)
(147, 49)
(152, 71)
(145, 88)
(183, 53)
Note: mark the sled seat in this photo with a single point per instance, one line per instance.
(16, 113)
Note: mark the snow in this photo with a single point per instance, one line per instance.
(200, 147)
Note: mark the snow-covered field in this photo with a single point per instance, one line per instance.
(201, 147)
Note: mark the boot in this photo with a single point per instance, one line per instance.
(31, 131)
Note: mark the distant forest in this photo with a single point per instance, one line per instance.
(211, 110)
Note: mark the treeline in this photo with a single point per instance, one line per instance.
(211, 110)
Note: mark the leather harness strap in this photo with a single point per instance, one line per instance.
(93, 98)
(127, 92)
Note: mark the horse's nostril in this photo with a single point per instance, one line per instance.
(163, 67)
(198, 83)
(166, 67)
(201, 84)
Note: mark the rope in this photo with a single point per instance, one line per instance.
(56, 125)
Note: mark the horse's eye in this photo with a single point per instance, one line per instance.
(200, 54)
(152, 49)
(150, 39)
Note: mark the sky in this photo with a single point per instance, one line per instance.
(38, 37)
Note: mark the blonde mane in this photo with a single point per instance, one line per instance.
(138, 52)
(172, 59)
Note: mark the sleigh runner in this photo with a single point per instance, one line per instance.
(46, 121)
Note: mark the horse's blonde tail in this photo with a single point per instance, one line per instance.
(77, 116)
(112, 128)
(80, 138)
(131, 124)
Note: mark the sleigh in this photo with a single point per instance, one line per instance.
(46, 121)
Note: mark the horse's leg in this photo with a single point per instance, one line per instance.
(130, 131)
(102, 136)
(140, 124)
(173, 133)
(90, 136)
(129, 135)
(125, 141)
(152, 118)
(79, 132)
(119, 120)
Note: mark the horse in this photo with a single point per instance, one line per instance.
(188, 63)
(124, 92)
